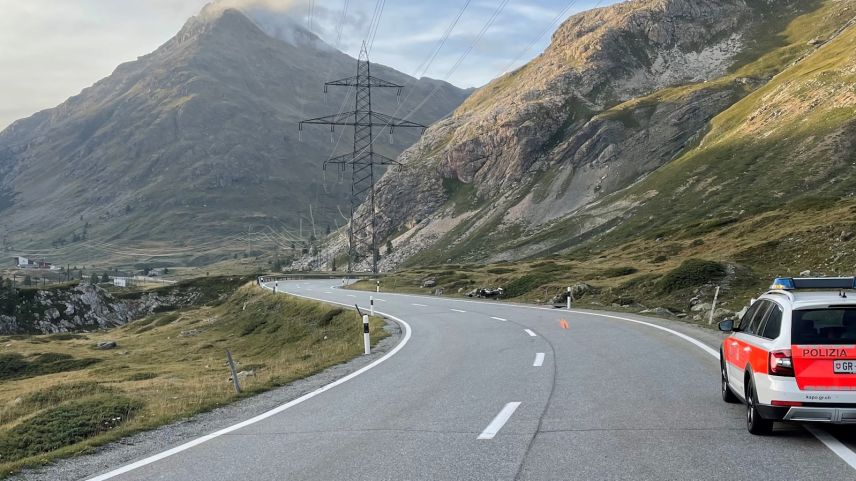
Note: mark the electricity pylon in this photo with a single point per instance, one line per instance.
(362, 232)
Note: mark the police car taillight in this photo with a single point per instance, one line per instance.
(781, 363)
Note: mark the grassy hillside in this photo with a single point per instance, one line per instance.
(670, 270)
(782, 138)
(62, 396)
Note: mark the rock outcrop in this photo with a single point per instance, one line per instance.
(534, 161)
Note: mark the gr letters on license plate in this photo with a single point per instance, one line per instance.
(844, 367)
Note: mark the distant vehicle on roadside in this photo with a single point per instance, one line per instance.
(792, 356)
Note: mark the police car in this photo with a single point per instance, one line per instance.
(792, 356)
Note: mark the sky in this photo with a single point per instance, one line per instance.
(52, 49)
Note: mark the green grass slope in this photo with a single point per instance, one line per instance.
(61, 396)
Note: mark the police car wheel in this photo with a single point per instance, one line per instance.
(754, 422)
(727, 395)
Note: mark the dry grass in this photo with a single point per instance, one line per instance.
(178, 368)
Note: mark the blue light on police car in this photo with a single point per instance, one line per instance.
(785, 283)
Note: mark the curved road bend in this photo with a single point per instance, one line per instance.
(490, 391)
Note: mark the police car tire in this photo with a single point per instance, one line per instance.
(754, 422)
(727, 394)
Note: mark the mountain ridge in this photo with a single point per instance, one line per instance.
(195, 140)
(546, 194)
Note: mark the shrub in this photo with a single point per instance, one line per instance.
(500, 270)
(65, 336)
(525, 284)
(16, 366)
(59, 393)
(65, 425)
(141, 376)
(692, 273)
(618, 272)
(328, 316)
(167, 319)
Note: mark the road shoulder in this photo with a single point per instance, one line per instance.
(137, 446)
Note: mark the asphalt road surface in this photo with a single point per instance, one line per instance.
(493, 391)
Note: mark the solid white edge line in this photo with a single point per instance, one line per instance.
(499, 421)
(834, 445)
(529, 331)
(840, 449)
(380, 300)
(539, 360)
(499, 319)
(457, 310)
(265, 415)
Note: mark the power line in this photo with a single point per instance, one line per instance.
(362, 230)
(461, 59)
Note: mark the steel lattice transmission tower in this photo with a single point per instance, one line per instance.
(362, 232)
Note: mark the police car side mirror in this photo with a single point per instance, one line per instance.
(726, 325)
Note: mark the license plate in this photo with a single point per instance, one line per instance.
(844, 367)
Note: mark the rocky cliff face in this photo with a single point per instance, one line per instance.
(87, 307)
(192, 142)
(537, 159)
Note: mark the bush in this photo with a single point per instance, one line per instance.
(692, 273)
(167, 319)
(141, 376)
(65, 425)
(59, 393)
(618, 272)
(16, 366)
(525, 284)
(500, 270)
(328, 316)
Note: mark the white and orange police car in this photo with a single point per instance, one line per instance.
(792, 356)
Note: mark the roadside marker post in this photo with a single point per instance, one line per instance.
(275, 285)
(235, 380)
(366, 340)
(569, 297)
(713, 306)
(371, 305)
(378, 287)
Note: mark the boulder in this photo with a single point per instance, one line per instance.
(106, 345)
(431, 282)
(721, 314)
(702, 307)
(581, 289)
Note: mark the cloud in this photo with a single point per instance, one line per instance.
(52, 49)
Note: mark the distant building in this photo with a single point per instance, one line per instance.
(27, 263)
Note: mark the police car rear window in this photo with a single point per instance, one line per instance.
(824, 326)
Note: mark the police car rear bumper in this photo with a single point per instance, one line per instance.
(835, 415)
(812, 414)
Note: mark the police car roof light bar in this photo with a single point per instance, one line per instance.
(792, 283)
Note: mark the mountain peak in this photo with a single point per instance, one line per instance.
(279, 23)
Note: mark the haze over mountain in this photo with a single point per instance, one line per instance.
(195, 141)
(643, 121)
